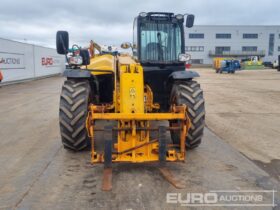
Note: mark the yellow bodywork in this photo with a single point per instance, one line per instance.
(102, 63)
(133, 109)
(217, 63)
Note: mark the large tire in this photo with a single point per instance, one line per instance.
(190, 94)
(74, 100)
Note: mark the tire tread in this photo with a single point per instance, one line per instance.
(74, 102)
(190, 94)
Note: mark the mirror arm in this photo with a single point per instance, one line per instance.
(67, 60)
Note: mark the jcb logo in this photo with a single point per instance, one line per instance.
(132, 92)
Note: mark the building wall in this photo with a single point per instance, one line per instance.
(20, 61)
(236, 42)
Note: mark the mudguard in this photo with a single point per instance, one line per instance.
(76, 73)
(183, 75)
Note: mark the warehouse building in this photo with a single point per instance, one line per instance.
(204, 42)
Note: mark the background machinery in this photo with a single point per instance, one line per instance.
(252, 62)
(278, 69)
(133, 92)
(276, 65)
(226, 65)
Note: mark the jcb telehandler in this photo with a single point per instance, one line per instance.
(133, 91)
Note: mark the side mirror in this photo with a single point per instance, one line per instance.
(189, 21)
(126, 45)
(62, 42)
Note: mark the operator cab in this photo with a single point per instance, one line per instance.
(159, 45)
(158, 38)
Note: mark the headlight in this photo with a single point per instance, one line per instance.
(76, 60)
(143, 14)
(184, 57)
(179, 16)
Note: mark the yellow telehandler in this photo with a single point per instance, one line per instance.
(133, 91)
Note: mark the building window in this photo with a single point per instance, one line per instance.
(271, 44)
(201, 49)
(223, 36)
(194, 49)
(250, 49)
(278, 48)
(197, 61)
(196, 36)
(220, 50)
(250, 36)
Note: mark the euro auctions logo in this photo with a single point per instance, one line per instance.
(9, 60)
(50, 61)
(233, 198)
(47, 61)
(192, 198)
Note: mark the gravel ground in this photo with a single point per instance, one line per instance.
(37, 173)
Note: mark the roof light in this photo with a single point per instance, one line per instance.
(179, 16)
(143, 14)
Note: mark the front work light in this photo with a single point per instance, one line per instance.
(184, 57)
(179, 16)
(143, 14)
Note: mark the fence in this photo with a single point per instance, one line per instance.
(20, 61)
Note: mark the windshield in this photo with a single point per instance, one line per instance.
(160, 42)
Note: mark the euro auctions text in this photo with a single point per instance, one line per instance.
(223, 198)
